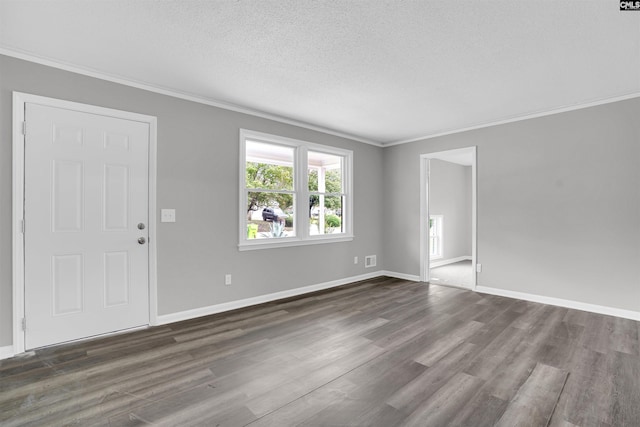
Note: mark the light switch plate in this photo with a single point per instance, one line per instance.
(167, 215)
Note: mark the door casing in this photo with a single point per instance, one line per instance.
(424, 210)
(19, 101)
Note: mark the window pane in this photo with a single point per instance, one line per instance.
(325, 214)
(324, 172)
(270, 215)
(269, 166)
(313, 179)
(333, 215)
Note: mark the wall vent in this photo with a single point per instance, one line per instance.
(369, 261)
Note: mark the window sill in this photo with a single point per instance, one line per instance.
(270, 244)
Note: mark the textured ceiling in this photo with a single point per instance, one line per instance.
(381, 71)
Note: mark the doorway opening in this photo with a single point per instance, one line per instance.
(448, 217)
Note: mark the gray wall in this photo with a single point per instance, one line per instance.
(558, 200)
(558, 204)
(198, 175)
(450, 196)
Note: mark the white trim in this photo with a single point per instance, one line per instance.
(425, 263)
(233, 305)
(257, 113)
(474, 219)
(293, 241)
(424, 219)
(19, 101)
(440, 263)
(576, 305)
(517, 118)
(153, 235)
(403, 276)
(6, 352)
(18, 217)
(181, 95)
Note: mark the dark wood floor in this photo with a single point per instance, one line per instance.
(383, 352)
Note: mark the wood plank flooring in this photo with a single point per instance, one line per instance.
(382, 352)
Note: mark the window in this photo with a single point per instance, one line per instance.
(326, 194)
(435, 236)
(292, 192)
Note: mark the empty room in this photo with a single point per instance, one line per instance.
(319, 213)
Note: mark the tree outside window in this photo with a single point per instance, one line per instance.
(293, 192)
(270, 190)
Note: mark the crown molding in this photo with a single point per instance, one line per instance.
(177, 94)
(518, 118)
(262, 114)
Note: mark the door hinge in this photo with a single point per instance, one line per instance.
(22, 226)
(24, 323)
(24, 128)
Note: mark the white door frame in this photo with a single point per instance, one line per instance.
(424, 209)
(19, 102)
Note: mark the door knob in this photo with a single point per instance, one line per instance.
(141, 226)
(142, 240)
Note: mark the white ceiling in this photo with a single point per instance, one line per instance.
(381, 71)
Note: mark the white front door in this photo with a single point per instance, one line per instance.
(85, 209)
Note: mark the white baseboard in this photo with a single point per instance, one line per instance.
(6, 352)
(594, 308)
(402, 276)
(233, 305)
(440, 263)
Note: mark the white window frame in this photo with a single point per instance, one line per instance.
(301, 193)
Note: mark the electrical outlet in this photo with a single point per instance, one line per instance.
(355, 259)
(227, 279)
(479, 268)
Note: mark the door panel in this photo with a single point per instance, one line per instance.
(67, 284)
(116, 278)
(116, 198)
(86, 189)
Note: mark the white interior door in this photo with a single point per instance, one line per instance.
(85, 209)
